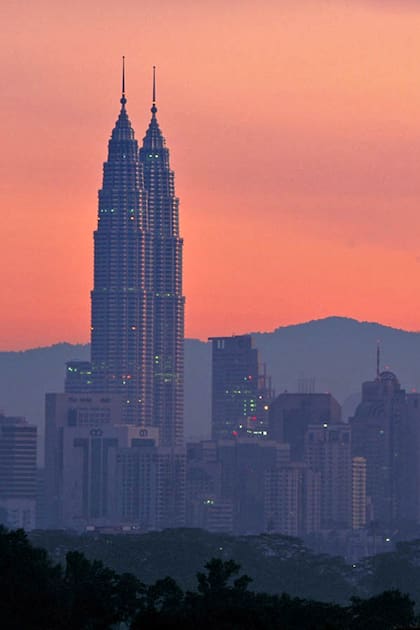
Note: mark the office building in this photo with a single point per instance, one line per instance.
(137, 302)
(132, 390)
(386, 433)
(328, 452)
(101, 472)
(378, 435)
(292, 500)
(122, 296)
(18, 472)
(291, 414)
(359, 498)
(226, 482)
(165, 273)
(241, 389)
(151, 485)
(66, 411)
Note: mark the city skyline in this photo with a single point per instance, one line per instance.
(295, 133)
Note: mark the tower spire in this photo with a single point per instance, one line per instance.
(154, 108)
(378, 357)
(123, 99)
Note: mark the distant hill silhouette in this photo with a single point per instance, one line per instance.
(340, 353)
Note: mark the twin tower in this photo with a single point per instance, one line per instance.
(137, 328)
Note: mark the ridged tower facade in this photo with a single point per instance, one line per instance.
(137, 303)
(168, 301)
(122, 297)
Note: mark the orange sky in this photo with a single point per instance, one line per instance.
(294, 129)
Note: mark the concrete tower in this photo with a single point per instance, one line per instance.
(114, 440)
(241, 389)
(122, 297)
(166, 279)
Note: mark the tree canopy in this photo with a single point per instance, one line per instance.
(36, 593)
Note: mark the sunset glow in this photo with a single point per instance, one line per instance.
(294, 130)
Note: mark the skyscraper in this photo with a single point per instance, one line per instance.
(94, 474)
(166, 279)
(328, 451)
(385, 431)
(18, 448)
(359, 503)
(241, 391)
(122, 296)
(137, 301)
(291, 414)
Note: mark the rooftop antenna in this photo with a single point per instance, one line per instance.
(154, 108)
(123, 99)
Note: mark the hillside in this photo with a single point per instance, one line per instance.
(339, 353)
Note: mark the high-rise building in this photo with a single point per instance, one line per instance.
(131, 394)
(409, 480)
(151, 485)
(359, 501)
(291, 414)
(292, 500)
(226, 482)
(386, 433)
(18, 473)
(63, 412)
(328, 452)
(122, 296)
(89, 491)
(241, 390)
(376, 432)
(101, 471)
(137, 330)
(165, 275)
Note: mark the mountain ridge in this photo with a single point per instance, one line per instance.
(328, 318)
(338, 352)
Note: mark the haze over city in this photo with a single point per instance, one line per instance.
(295, 136)
(210, 339)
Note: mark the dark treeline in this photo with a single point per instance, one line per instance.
(37, 593)
(276, 563)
